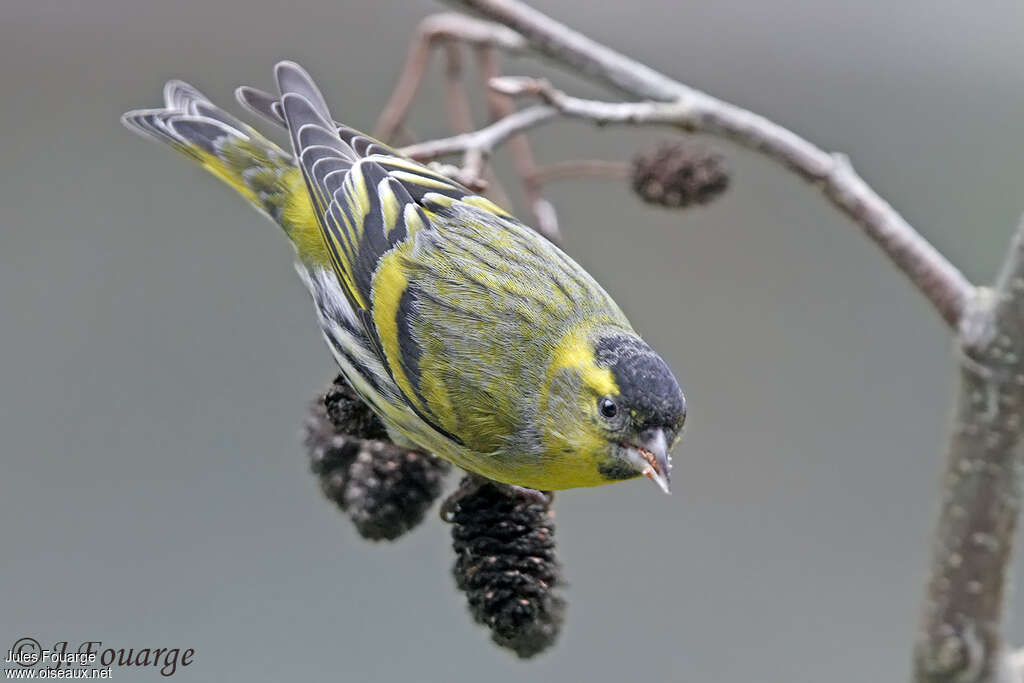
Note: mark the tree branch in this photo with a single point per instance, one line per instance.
(485, 140)
(574, 50)
(963, 613)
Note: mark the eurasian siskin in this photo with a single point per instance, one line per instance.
(469, 334)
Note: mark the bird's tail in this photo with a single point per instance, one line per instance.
(254, 166)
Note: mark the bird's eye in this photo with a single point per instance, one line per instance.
(608, 408)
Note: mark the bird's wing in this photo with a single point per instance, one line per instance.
(367, 199)
(456, 296)
(368, 203)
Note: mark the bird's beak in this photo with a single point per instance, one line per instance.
(653, 448)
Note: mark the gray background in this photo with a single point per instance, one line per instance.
(158, 351)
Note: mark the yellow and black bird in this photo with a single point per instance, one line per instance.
(469, 334)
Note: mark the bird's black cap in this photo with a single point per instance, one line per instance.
(647, 387)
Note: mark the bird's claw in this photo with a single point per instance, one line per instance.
(533, 495)
(468, 486)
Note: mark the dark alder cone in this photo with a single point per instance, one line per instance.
(349, 415)
(385, 489)
(390, 489)
(678, 173)
(505, 548)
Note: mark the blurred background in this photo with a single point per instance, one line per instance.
(159, 353)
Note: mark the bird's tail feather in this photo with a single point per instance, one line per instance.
(236, 153)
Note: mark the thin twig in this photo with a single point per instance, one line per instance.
(496, 189)
(393, 115)
(438, 27)
(581, 168)
(460, 118)
(542, 212)
(484, 140)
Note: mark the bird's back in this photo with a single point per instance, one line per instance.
(485, 297)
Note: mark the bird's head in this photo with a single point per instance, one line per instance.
(613, 406)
